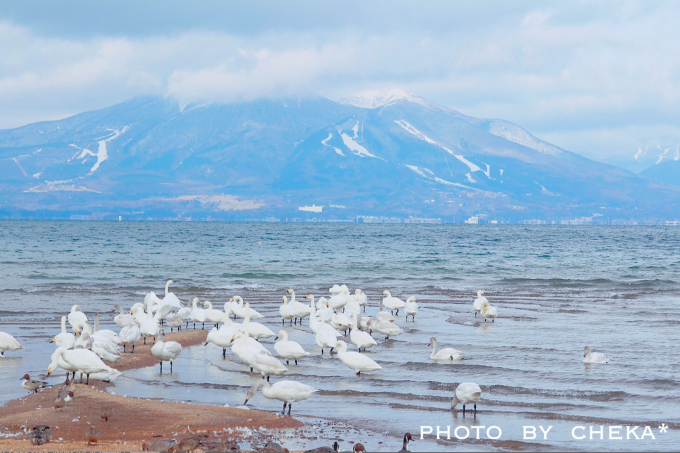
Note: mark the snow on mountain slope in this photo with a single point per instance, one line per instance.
(516, 134)
(375, 99)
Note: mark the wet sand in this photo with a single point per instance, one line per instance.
(134, 420)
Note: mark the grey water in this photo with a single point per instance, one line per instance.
(557, 289)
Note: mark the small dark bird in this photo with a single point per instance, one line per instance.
(358, 448)
(37, 438)
(59, 402)
(92, 435)
(32, 385)
(158, 445)
(186, 444)
(107, 413)
(335, 447)
(407, 439)
(46, 430)
(69, 385)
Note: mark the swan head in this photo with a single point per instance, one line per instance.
(480, 292)
(433, 340)
(586, 351)
(341, 346)
(290, 291)
(283, 334)
(253, 390)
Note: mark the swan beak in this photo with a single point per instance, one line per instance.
(53, 340)
(132, 312)
(49, 371)
(233, 338)
(246, 402)
(77, 332)
(206, 343)
(277, 337)
(429, 344)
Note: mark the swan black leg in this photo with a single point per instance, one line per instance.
(161, 367)
(397, 312)
(251, 369)
(287, 363)
(463, 409)
(321, 351)
(133, 348)
(171, 367)
(283, 412)
(295, 361)
(144, 339)
(88, 380)
(124, 348)
(331, 351)
(267, 378)
(289, 407)
(224, 352)
(475, 408)
(358, 373)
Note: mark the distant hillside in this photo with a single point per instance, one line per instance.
(379, 155)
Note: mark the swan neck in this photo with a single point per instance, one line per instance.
(167, 285)
(246, 320)
(63, 324)
(435, 346)
(96, 322)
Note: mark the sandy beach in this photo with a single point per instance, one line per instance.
(133, 420)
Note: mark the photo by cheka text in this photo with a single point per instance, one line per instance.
(531, 432)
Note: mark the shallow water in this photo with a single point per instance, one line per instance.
(557, 289)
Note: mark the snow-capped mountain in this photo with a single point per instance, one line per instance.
(391, 154)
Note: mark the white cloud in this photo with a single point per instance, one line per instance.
(566, 74)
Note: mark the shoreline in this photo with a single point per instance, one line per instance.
(134, 420)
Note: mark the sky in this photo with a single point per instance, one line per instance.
(597, 78)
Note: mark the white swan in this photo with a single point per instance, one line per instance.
(170, 297)
(594, 357)
(341, 322)
(449, 354)
(104, 333)
(479, 301)
(103, 349)
(336, 289)
(58, 361)
(8, 343)
(244, 347)
(197, 314)
(166, 351)
(323, 311)
(393, 303)
(83, 360)
(301, 310)
(213, 315)
(362, 299)
(383, 315)
(130, 335)
(356, 360)
(240, 311)
(325, 338)
(185, 314)
(267, 364)
(466, 393)
(361, 340)
(223, 336)
(287, 349)
(338, 301)
(138, 311)
(64, 339)
(315, 324)
(286, 310)
(286, 391)
(124, 319)
(76, 317)
(411, 308)
(174, 320)
(149, 326)
(489, 311)
(389, 329)
(255, 329)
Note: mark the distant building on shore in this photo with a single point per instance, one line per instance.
(312, 208)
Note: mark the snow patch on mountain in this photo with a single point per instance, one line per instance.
(325, 143)
(428, 174)
(414, 131)
(355, 147)
(516, 134)
(375, 99)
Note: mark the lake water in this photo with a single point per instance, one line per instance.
(557, 289)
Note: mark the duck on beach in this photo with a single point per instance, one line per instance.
(32, 385)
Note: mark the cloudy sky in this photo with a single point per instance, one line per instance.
(597, 78)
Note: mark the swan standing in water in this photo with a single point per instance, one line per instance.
(393, 303)
(267, 364)
(389, 329)
(255, 329)
(213, 315)
(360, 339)
(286, 311)
(362, 299)
(355, 360)
(383, 315)
(223, 336)
(166, 351)
(489, 311)
(466, 393)
(301, 310)
(65, 339)
(325, 338)
(104, 333)
(287, 391)
(316, 324)
(240, 311)
(197, 314)
(244, 347)
(411, 308)
(449, 354)
(76, 317)
(479, 301)
(594, 357)
(288, 350)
